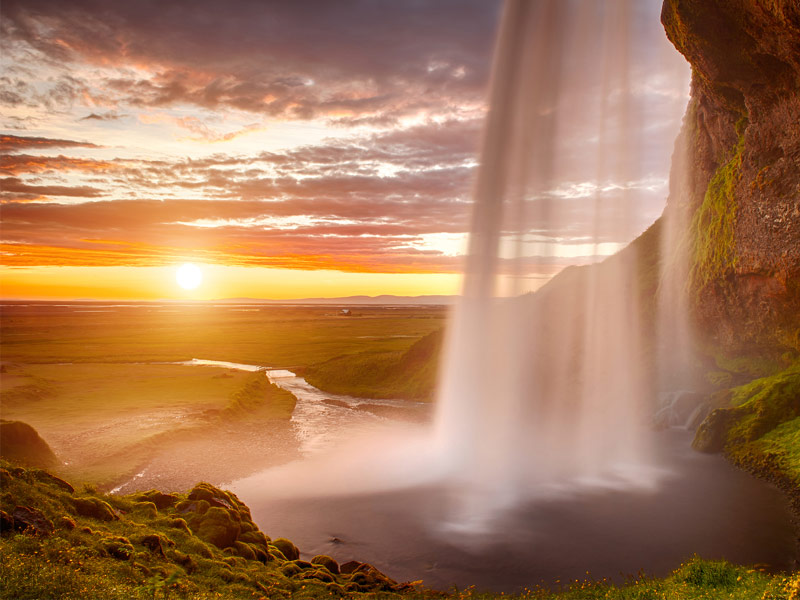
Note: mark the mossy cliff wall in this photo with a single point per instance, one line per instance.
(742, 143)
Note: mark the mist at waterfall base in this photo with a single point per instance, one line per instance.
(541, 462)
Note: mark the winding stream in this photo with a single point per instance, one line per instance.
(320, 419)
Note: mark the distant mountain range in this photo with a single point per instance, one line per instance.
(343, 302)
(349, 300)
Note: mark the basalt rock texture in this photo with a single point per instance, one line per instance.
(741, 141)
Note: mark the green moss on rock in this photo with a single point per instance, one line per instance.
(216, 527)
(287, 548)
(94, 508)
(714, 222)
(755, 409)
(327, 562)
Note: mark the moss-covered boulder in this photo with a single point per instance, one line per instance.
(712, 434)
(147, 510)
(117, 547)
(187, 507)
(290, 569)
(216, 526)
(287, 548)
(160, 499)
(327, 562)
(254, 537)
(21, 443)
(157, 544)
(94, 508)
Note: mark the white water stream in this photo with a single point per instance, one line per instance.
(321, 420)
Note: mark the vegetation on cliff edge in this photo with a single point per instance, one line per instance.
(713, 224)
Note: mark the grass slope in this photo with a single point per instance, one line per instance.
(409, 375)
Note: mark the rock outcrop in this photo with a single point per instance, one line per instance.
(736, 182)
(742, 138)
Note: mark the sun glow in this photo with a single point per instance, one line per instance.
(189, 276)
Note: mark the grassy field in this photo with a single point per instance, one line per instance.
(84, 376)
(410, 375)
(274, 336)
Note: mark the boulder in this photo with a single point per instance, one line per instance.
(118, 547)
(214, 496)
(179, 523)
(254, 537)
(216, 527)
(188, 506)
(160, 499)
(367, 576)
(94, 508)
(713, 432)
(145, 509)
(244, 550)
(6, 522)
(31, 520)
(155, 543)
(349, 567)
(287, 548)
(290, 569)
(327, 562)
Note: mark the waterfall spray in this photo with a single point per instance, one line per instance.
(554, 387)
(543, 391)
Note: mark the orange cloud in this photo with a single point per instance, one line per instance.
(15, 164)
(12, 143)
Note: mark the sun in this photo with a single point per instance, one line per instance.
(189, 276)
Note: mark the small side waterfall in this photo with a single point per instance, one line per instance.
(543, 389)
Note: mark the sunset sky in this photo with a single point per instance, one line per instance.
(291, 149)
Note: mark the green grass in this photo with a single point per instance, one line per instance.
(409, 375)
(763, 404)
(783, 443)
(277, 337)
(761, 428)
(175, 551)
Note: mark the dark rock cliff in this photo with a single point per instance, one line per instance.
(742, 192)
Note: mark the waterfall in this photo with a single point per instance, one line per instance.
(554, 387)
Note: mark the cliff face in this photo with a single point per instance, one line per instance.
(742, 144)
